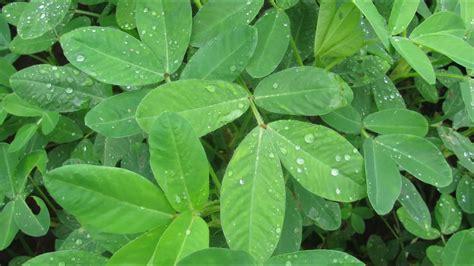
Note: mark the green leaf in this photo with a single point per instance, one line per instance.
(377, 250)
(303, 18)
(402, 14)
(291, 233)
(29, 223)
(415, 57)
(460, 145)
(58, 89)
(466, 8)
(139, 250)
(125, 14)
(223, 58)
(34, 159)
(412, 226)
(67, 257)
(115, 116)
(346, 119)
(111, 150)
(407, 122)
(185, 235)
(165, 27)
(338, 33)
(253, 196)
(467, 91)
(179, 162)
(325, 214)
(12, 12)
(49, 121)
(465, 194)
(418, 156)
(7, 225)
(320, 159)
(307, 257)
(66, 131)
(218, 256)
(41, 16)
(207, 105)
(446, 23)
(217, 16)
(32, 46)
(95, 196)
(386, 95)
(22, 137)
(8, 163)
(273, 40)
(5, 35)
(111, 56)
(414, 204)
(448, 215)
(429, 92)
(360, 70)
(7, 71)
(302, 91)
(286, 4)
(458, 250)
(378, 22)
(383, 178)
(434, 254)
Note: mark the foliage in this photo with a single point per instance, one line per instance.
(245, 132)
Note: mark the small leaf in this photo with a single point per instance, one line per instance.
(407, 122)
(16, 106)
(413, 227)
(360, 70)
(418, 156)
(465, 194)
(125, 14)
(207, 105)
(460, 145)
(346, 119)
(49, 120)
(320, 159)
(448, 215)
(253, 196)
(429, 92)
(402, 14)
(179, 162)
(378, 22)
(467, 92)
(440, 23)
(95, 195)
(292, 231)
(7, 225)
(29, 223)
(7, 71)
(31, 46)
(458, 250)
(414, 204)
(67, 257)
(306, 257)
(22, 137)
(302, 91)
(386, 95)
(217, 256)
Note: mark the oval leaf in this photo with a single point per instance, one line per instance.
(407, 122)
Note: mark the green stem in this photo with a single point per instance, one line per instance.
(209, 146)
(38, 58)
(438, 74)
(26, 246)
(393, 232)
(215, 179)
(87, 13)
(43, 196)
(295, 51)
(255, 112)
(442, 239)
(198, 3)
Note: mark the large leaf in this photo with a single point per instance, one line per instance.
(458, 250)
(407, 122)
(448, 215)
(179, 162)
(292, 231)
(273, 38)
(185, 235)
(308, 257)
(223, 58)
(447, 23)
(111, 56)
(115, 116)
(218, 256)
(41, 16)
(320, 159)
(59, 89)
(383, 178)
(369, 10)
(165, 27)
(217, 16)
(207, 105)
(67, 257)
(402, 13)
(253, 196)
(95, 196)
(415, 57)
(418, 156)
(303, 91)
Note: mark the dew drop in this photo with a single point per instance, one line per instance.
(334, 172)
(69, 90)
(80, 58)
(309, 138)
(300, 161)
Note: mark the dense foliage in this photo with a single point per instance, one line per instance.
(244, 132)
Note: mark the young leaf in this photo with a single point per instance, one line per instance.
(369, 10)
(95, 196)
(429, 92)
(273, 38)
(460, 145)
(41, 16)
(346, 119)
(111, 56)
(418, 156)
(217, 16)
(125, 15)
(16, 106)
(383, 178)
(302, 91)
(320, 159)
(306, 257)
(33, 46)
(207, 105)
(58, 89)
(360, 70)
(386, 95)
(22, 137)
(448, 215)
(7, 225)
(407, 122)
(165, 27)
(447, 23)
(49, 121)
(67, 257)
(458, 250)
(465, 194)
(253, 196)
(402, 14)
(115, 116)
(28, 222)
(414, 204)
(179, 162)
(217, 256)
(415, 57)
(223, 58)
(414, 227)
(185, 235)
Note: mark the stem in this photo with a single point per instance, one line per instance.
(256, 113)
(215, 179)
(442, 239)
(87, 13)
(207, 145)
(272, 2)
(43, 196)
(295, 51)
(167, 78)
(393, 232)
(198, 3)
(438, 74)
(38, 58)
